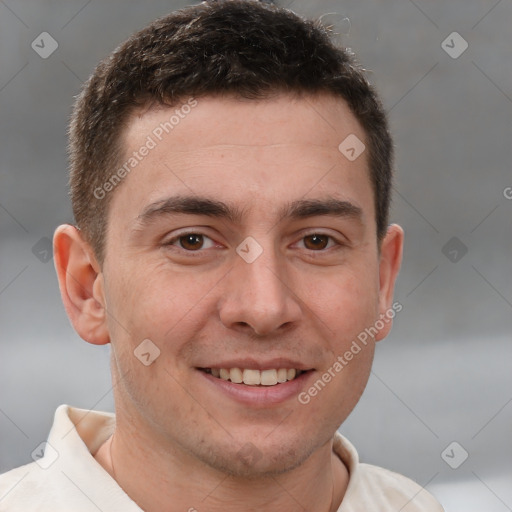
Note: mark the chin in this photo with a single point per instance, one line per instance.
(257, 459)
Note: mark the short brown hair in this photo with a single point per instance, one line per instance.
(242, 48)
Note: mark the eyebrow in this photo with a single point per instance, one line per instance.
(193, 205)
(304, 208)
(188, 205)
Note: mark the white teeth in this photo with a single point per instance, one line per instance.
(281, 375)
(269, 377)
(236, 376)
(252, 377)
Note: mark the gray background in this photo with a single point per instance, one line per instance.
(443, 374)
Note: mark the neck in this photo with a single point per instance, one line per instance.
(154, 478)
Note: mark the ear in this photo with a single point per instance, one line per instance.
(390, 260)
(81, 284)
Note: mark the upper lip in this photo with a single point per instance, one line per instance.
(252, 364)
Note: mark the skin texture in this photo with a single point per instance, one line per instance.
(178, 438)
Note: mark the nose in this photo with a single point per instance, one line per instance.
(259, 297)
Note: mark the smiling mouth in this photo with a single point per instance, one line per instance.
(251, 377)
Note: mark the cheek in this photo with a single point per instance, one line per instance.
(346, 302)
(157, 312)
(348, 305)
(340, 382)
(158, 303)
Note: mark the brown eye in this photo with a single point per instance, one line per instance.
(316, 242)
(191, 241)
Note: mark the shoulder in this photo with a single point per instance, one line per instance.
(65, 472)
(373, 486)
(23, 488)
(375, 489)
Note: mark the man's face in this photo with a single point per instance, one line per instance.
(173, 275)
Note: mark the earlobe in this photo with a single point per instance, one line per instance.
(389, 267)
(81, 284)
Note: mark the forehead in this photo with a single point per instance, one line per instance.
(320, 120)
(273, 151)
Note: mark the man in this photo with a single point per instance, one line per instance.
(230, 179)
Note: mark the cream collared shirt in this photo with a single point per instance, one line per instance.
(67, 477)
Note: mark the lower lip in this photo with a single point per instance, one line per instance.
(259, 395)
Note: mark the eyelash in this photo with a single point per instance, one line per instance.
(172, 242)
